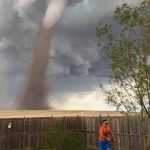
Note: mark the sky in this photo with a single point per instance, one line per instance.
(76, 66)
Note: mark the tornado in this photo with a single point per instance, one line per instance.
(35, 93)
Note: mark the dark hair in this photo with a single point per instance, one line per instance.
(104, 120)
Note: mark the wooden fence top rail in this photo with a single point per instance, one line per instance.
(55, 113)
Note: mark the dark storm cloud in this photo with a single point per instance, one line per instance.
(75, 51)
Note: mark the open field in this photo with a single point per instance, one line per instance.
(55, 113)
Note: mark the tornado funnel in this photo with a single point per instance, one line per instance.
(35, 94)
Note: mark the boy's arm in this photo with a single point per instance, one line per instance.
(110, 135)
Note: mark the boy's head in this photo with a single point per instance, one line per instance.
(105, 123)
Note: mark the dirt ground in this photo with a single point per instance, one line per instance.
(54, 113)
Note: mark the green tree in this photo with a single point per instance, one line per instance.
(128, 50)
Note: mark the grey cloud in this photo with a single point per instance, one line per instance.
(91, 11)
(73, 2)
(75, 55)
(75, 84)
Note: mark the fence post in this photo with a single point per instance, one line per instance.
(148, 137)
(129, 133)
(23, 144)
(118, 133)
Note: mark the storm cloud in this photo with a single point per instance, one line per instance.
(76, 63)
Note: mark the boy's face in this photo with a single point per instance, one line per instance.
(105, 123)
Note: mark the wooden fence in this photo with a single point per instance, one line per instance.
(130, 133)
(30, 133)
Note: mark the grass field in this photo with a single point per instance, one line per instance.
(55, 113)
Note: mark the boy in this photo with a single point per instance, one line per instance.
(105, 136)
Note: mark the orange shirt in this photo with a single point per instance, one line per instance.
(104, 132)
